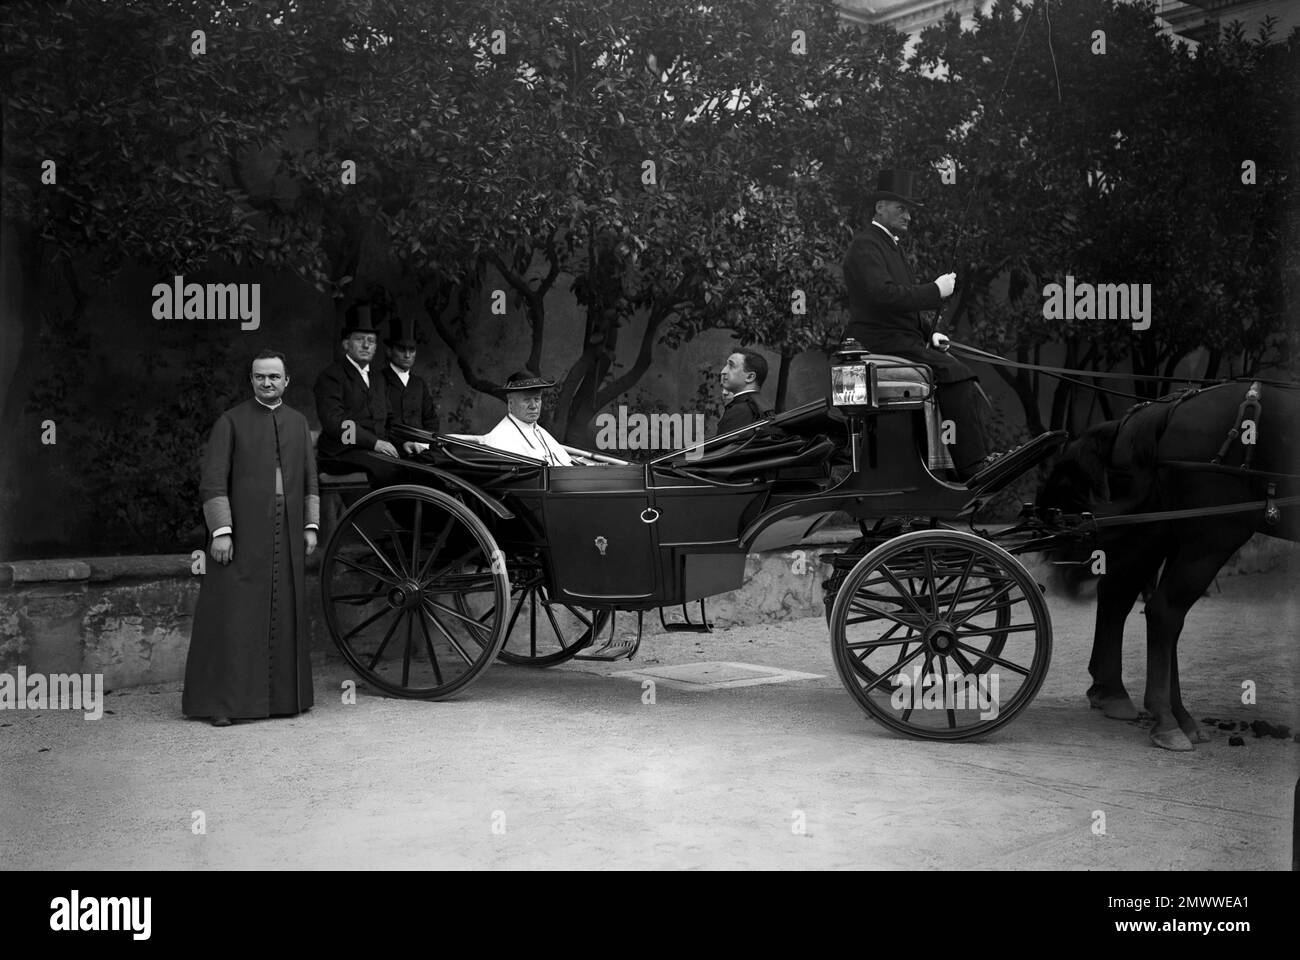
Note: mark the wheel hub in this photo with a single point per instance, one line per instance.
(940, 637)
(405, 594)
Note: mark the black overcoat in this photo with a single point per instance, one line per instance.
(342, 395)
(885, 303)
(412, 404)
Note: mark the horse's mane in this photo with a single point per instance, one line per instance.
(1118, 457)
(1092, 453)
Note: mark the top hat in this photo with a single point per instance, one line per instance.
(522, 380)
(894, 185)
(401, 332)
(357, 320)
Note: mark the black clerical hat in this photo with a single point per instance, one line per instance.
(522, 380)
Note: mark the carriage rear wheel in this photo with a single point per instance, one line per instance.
(540, 632)
(401, 567)
(941, 635)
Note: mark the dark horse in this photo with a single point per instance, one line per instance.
(1121, 467)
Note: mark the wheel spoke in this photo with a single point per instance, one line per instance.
(376, 551)
(514, 613)
(961, 586)
(455, 644)
(437, 547)
(906, 595)
(398, 552)
(461, 583)
(881, 641)
(929, 578)
(890, 671)
(387, 636)
(428, 646)
(470, 621)
(415, 535)
(867, 646)
(919, 685)
(887, 615)
(984, 604)
(366, 570)
(574, 611)
(943, 674)
(357, 599)
(532, 624)
(985, 655)
(365, 623)
(959, 658)
(459, 561)
(555, 626)
(989, 631)
(406, 652)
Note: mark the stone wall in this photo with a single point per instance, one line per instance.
(129, 618)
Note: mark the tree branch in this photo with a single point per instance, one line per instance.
(658, 314)
(480, 384)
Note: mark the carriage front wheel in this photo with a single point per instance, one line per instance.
(398, 573)
(941, 635)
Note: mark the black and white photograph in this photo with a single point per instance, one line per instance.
(651, 435)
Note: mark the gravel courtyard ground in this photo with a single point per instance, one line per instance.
(568, 768)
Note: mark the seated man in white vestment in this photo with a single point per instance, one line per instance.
(519, 432)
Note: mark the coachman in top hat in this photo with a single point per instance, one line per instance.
(885, 304)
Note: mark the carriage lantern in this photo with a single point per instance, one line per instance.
(853, 380)
(853, 389)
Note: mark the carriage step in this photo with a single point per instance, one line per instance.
(686, 625)
(611, 650)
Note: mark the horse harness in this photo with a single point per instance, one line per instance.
(1250, 409)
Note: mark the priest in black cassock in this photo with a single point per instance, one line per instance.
(249, 654)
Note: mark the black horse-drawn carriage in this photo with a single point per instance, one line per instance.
(483, 554)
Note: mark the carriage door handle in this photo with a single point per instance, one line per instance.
(651, 519)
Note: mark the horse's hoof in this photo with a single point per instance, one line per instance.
(1116, 708)
(1173, 739)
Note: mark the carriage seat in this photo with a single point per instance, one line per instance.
(338, 482)
(901, 384)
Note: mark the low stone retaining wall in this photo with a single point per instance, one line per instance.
(129, 618)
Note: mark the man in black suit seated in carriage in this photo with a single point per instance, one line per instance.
(885, 304)
(742, 379)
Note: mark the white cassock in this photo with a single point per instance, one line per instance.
(528, 439)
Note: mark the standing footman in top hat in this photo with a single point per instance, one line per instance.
(885, 304)
(409, 400)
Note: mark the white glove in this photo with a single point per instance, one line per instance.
(946, 283)
(939, 342)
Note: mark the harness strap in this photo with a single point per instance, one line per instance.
(1235, 430)
(1269, 506)
(1225, 468)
